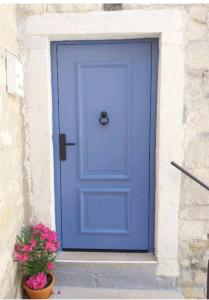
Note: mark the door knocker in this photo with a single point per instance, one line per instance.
(103, 119)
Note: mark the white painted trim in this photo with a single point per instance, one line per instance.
(103, 24)
(108, 261)
(106, 257)
(35, 34)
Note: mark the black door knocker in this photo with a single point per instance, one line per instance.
(104, 119)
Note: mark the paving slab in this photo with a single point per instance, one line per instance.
(61, 292)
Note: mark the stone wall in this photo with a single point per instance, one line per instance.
(194, 208)
(194, 202)
(11, 190)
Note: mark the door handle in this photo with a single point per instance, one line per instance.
(63, 144)
(104, 119)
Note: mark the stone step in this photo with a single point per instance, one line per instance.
(111, 276)
(104, 271)
(61, 292)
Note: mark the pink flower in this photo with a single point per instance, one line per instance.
(33, 244)
(50, 247)
(17, 247)
(40, 227)
(44, 236)
(57, 243)
(50, 265)
(37, 282)
(36, 244)
(52, 236)
(26, 248)
(21, 257)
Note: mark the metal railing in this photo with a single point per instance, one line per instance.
(190, 175)
(204, 186)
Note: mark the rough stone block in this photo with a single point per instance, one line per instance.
(194, 292)
(185, 277)
(199, 246)
(195, 30)
(196, 151)
(59, 8)
(200, 277)
(195, 213)
(198, 14)
(196, 117)
(192, 193)
(205, 84)
(190, 230)
(196, 55)
(25, 10)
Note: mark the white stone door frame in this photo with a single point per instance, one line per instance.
(35, 34)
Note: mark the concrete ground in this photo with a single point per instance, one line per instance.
(102, 293)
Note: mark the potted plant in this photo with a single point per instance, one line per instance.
(36, 249)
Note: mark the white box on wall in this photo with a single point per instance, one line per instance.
(14, 73)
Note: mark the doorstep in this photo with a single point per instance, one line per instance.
(106, 257)
(101, 293)
(110, 270)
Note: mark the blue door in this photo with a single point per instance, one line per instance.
(105, 98)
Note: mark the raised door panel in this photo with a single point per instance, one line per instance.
(104, 211)
(104, 149)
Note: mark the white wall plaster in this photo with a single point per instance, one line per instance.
(36, 32)
(11, 175)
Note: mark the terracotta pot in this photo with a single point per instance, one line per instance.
(40, 294)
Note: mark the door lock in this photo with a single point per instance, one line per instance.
(63, 144)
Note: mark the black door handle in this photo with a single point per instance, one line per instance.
(104, 119)
(63, 144)
(70, 144)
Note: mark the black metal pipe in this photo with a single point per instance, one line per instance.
(190, 175)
